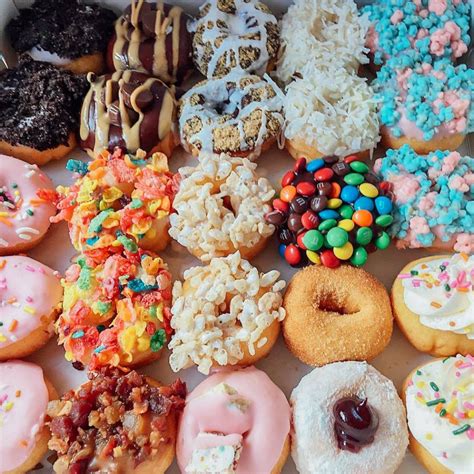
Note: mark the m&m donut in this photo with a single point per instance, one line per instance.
(331, 211)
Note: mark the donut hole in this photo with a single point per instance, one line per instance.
(6, 199)
(336, 303)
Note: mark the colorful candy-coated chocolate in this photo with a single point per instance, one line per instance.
(287, 193)
(329, 214)
(359, 167)
(349, 193)
(359, 257)
(287, 179)
(337, 237)
(346, 224)
(324, 174)
(300, 165)
(346, 211)
(305, 188)
(313, 257)
(334, 203)
(327, 224)
(350, 158)
(292, 254)
(310, 220)
(368, 190)
(280, 205)
(275, 217)
(363, 218)
(364, 235)
(299, 240)
(345, 252)
(383, 204)
(364, 203)
(354, 179)
(328, 259)
(382, 241)
(319, 203)
(335, 190)
(313, 240)
(384, 221)
(281, 250)
(315, 165)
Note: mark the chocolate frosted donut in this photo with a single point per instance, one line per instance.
(152, 38)
(130, 110)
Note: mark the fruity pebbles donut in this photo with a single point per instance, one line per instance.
(330, 212)
(24, 214)
(220, 208)
(30, 300)
(240, 115)
(116, 309)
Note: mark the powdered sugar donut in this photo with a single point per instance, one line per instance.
(220, 208)
(24, 215)
(347, 417)
(30, 299)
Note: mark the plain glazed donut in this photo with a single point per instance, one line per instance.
(24, 396)
(30, 300)
(24, 215)
(234, 422)
(335, 315)
(220, 208)
(127, 423)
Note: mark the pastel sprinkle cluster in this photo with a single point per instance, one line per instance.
(6, 403)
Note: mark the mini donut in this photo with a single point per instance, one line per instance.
(30, 300)
(131, 110)
(238, 115)
(335, 315)
(433, 305)
(347, 417)
(235, 421)
(152, 38)
(235, 35)
(24, 214)
(116, 309)
(118, 197)
(224, 314)
(116, 422)
(220, 208)
(438, 397)
(66, 33)
(24, 395)
(39, 111)
(433, 197)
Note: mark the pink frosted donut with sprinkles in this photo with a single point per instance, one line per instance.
(30, 299)
(24, 213)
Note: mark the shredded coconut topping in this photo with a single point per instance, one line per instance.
(220, 206)
(220, 308)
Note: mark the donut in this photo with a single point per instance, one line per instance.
(24, 395)
(324, 32)
(347, 417)
(433, 199)
(224, 314)
(128, 109)
(116, 422)
(336, 315)
(30, 300)
(220, 208)
(152, 38)
(330, 212)
(235, 35)
(118, 197)
(24, 213)
(433, 306)
(39, 111)
(66, 33)
(329, 113)
(439, 397)
(240, 115)
(116, 309)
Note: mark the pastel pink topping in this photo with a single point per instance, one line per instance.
(397, 17)
(437, 6)
(405, 186)
(464, 243)
(459, 183)
(449, 34)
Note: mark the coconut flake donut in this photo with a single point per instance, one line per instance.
(30, 300)
(236, 421)
(24, 396)
(233, 35)
(226, 313)
(347, 417)
(116, 422)
(220, 208)
(240, 115)
(336, 314)
(24, 214)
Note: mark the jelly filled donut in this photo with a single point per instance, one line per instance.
(24, 396)
(336, 315)
(116, 422)
(128, 109)
(233, 35)
(331, 212)
(240, 115)
(24, 214)
(347, 417)
(152, 38)
(30, 300)
(220, 208)
(234, 422)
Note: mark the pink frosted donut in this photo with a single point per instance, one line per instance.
(234, 421)
(24, 216)
(30, 299)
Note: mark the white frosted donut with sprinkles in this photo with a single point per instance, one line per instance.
(24, 215)
(30, 299)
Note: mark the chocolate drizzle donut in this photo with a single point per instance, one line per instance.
(130, 110)
(152, 38)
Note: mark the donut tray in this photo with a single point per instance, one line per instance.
(398, 359)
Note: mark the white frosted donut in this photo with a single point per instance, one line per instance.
(220, 208)
(314, 444)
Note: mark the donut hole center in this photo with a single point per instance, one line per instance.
(241, 23)
(227, 203)
(7, 199)
(320, 24)
(336, 303)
